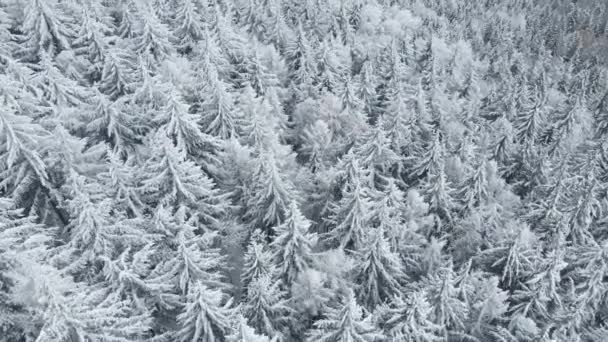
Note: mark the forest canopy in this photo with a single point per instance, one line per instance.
(303, 170)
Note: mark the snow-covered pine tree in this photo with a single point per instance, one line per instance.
(187, 24)
(265, 306)
(46, 27)
(244, 333)
(379, 272)
(154, 38)
(22, 244)
(185, 258)
(171, 179)
(293, 245)
(346, 322)
(350, 217)
(410, 319)
(206, 317)
(270, 193)
(258, 260)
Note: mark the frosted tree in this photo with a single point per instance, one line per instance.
(88, 314)
(217, 110)
(293, 244)
(181, 126)
(378, 273)
(515, 255)
(345, 323)
(367, 87)
(119, 73)
(206, 316)
(55, 87)
(187, 25)
(46, 28)
(278, 32)
(258, 260)
(257, 74)
(270, 192)
(92, 42)
(189, 259)
(330, 70)
(108, 122)
(440, 193)
(374, 151)
(350, 217)
(154, 38)
(93, 231)
(22, 245)
(119, 181)
(244, 333)
(265, 306)
(22, 166)
(449, 310)
(299, 53)
(171, 179)
(539, 296)
(127, 19)
(125, 276)
(410, 319)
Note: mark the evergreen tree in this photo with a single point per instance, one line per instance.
(245, 333)
(293, 244)
(47, 28)
(188, 260)
(345, 323)
(154, 38)
(206, 315)
(187, 25)
(350, 217)
(379, 273)
(410, 319)
(270, 193)
(171, 179)
(258, 260)
(266, 307)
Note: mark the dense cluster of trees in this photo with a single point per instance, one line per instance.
(290, 170)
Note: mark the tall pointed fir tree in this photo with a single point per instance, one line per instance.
(270, 193)
(350, 217)
(258, 260)
(171, 179)
(293, 245)
(206, 316)
(378, 274)
(265, 306)
(345, 323)
(46, 27)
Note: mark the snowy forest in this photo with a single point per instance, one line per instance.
(303, 170)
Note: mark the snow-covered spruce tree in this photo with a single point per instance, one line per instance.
(206, 317)
(258, 260)
(410, 319)
(265, 306)
(47, 27)
(173, 180)
(154, 38)
(269, 194)
(346, 322)
(351, 216)
(109, 122)
(187, 25)
(378, 273)
(244, 333)
(21, 240)
(119, 73)
(92, 42)
(293, 244)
